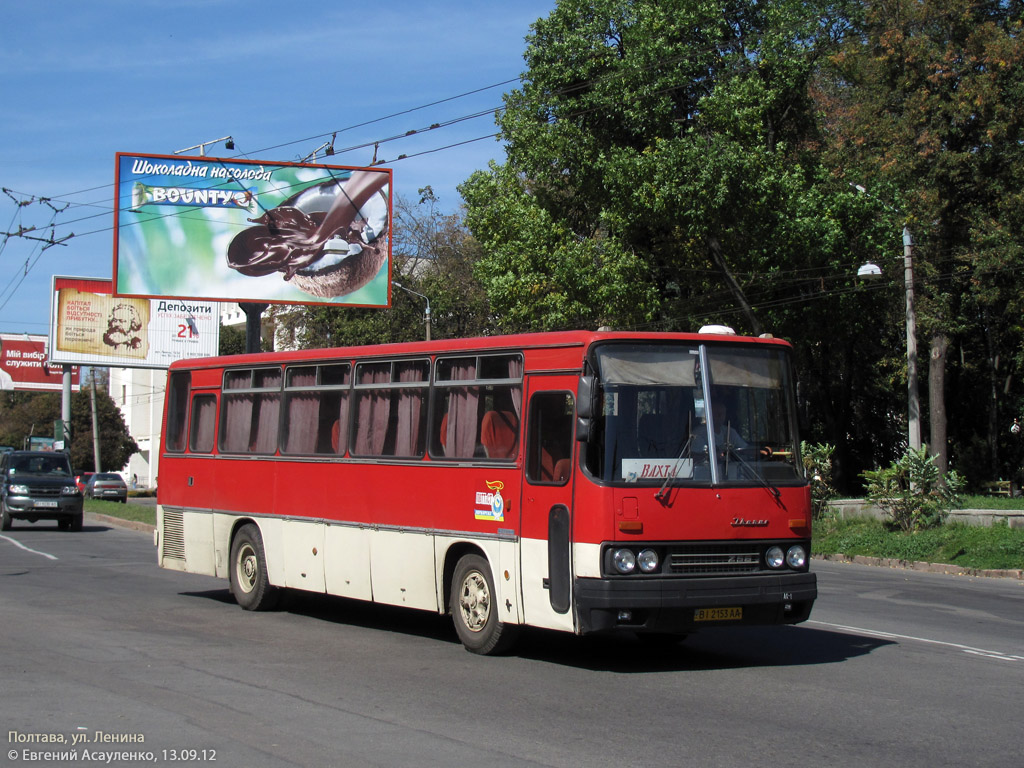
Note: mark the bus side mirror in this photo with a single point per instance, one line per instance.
(583, 429)
(585, 395)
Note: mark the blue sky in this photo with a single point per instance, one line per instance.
(81, 81)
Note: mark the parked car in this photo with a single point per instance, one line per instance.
(38, 485)
(106, 485)
(82, 479)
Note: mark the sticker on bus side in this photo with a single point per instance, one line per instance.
(490, 505)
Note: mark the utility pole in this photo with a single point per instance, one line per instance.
(95, 425)
(913, 397)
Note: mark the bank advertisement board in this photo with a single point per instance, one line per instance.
(248, 231)
(89, 325)
(26, 367)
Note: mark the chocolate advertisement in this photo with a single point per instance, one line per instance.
(90, 325)
(246, 231)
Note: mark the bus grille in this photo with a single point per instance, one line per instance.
(706, 559)
(174, 534)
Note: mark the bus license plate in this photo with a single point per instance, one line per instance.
(717, 614)
(48, 504)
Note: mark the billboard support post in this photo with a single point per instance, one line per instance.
(65, 406)
(95, 425)
(253, 324)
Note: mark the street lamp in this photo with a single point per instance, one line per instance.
(229, 143)
(870, 270)
(426, 314)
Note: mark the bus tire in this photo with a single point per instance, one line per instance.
(248, 572)
(475, 610)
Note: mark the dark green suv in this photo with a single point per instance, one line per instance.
(38, 485)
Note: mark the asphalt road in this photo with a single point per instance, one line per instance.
(895, 668)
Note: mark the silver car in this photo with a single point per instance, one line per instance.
(107, 485)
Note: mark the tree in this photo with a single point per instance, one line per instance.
(664, 170)
(116, 444)
(654, 151)
(24, 414)
(924, 104)
(434, 255)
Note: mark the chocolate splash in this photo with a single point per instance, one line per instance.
(285, 241)
(294, 236)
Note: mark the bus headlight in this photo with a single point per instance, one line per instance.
(774, 558)
(624, 560)
(648, 561)
(796, 557)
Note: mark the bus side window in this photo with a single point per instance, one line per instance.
(177, 408)
(391, 408)
(550, 439)
(200, 433)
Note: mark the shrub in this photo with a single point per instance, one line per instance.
(817, 460)
(913, 492)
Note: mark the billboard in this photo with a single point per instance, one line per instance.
(91, 326)
(246, 231)
(24, 365)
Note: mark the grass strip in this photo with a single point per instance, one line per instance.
(140, 513)
(994, 547)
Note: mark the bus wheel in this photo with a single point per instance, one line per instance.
(474, 611)
(249, 583)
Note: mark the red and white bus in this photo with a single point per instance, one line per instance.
(577, 481)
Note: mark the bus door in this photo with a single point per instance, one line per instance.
(546, 550)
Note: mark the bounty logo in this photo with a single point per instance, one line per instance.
(490, 505)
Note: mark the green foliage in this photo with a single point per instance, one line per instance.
(923, 107)
(969, 546)
(817, 460)
(434, 255)
(25, 414)
(140, 513)
(913, 491)
(116, 444)
(539, 274)
(655, 151)
(232, 340)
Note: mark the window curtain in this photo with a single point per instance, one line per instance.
(409, 408)
(339, 431)
(373, 411)
(234, 433)
(462, 412)
(302, 415)
(237, 415)
(515, 371)
(266, 424)
(204, 410)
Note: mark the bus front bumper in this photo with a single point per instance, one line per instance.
(685, 605)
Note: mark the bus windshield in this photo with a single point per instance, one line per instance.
(695, 414)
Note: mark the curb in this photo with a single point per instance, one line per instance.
(118, 522)
(911, 565)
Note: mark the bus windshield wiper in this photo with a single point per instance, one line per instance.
(751, 471)
(662, 493)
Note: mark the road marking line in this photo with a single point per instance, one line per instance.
(18, 544)
(960, 647)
